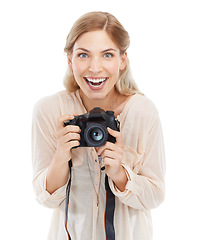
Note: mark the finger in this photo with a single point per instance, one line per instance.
(97, 149)
(62, 119)
(108, 145)
(116, 134)
(112, 155)
(107, 161)
(72, 144)
(70, 137)
(68, 129)
(113, 132)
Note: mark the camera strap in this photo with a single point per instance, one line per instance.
(109, 212)
(109, 207)
(67, 197)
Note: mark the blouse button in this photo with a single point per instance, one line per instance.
(100, 158)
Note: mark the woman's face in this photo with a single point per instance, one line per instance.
(96, 63)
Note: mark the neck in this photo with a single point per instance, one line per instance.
(108, 103)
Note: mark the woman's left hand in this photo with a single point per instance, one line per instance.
(112, 154)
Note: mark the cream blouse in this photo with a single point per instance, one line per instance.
(143, 161)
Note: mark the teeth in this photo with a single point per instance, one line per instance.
(99, 85)
(99, 80)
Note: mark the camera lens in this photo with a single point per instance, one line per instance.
(95, 134)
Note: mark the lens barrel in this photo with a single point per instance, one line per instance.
(95, 134)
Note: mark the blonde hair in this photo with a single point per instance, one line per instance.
(101, 21)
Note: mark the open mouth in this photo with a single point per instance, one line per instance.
(95, 82)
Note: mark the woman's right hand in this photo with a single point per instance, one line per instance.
(67, 138)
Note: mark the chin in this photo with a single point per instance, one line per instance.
(97, 96)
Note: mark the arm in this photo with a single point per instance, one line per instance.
(49, 156)
(145, 185)
(66, 138)
(112, 154)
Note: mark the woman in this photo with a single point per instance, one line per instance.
(98, 76)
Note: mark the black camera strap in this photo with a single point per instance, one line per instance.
(109, 212)
(109, 208)
(67, 197)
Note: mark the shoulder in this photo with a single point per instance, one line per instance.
(53, 102)
(141, 103)
(141, 108)
(144, 105)
(45, 104)
(50, 107)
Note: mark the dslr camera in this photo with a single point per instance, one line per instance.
(93, 127)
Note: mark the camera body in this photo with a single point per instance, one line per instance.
(93, 127)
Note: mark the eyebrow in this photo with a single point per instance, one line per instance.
(106, 50)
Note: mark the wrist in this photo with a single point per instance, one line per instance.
(60, 159)
(121, 179)
(57, 174)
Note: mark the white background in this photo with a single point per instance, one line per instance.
(164, 56)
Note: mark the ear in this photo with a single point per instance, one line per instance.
(69, 61)
(123, 61)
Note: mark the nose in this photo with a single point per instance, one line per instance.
(95, 65)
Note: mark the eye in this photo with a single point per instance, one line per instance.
(108, 55)
(82, 55)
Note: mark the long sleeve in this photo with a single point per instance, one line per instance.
(143, 161)
(145, 172)
(43, 150)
